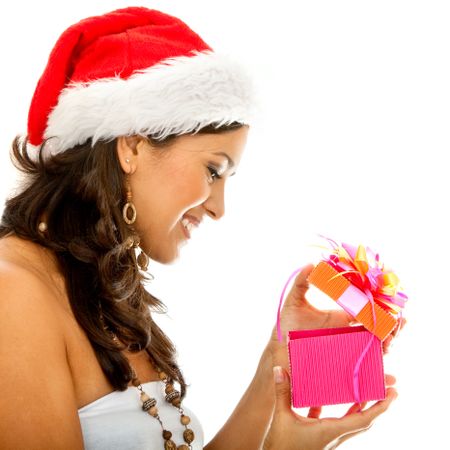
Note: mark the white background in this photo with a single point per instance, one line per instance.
(352, 143)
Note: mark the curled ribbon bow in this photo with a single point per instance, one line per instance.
(362, 268)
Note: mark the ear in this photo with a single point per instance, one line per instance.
(127, 149)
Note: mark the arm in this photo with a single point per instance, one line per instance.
(38, 407)
(248, 424)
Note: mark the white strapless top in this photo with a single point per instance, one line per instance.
(116, 421)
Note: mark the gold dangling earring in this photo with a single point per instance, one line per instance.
(129, 205)
(133, 241)
(142, 260)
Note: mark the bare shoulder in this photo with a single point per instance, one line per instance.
(34, 370)
(21, 269)
(24, 260)
(18, 277)
(25, 295)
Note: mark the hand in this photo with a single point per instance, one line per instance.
(297, 314)
(290, 431)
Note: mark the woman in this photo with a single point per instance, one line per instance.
(133, 129)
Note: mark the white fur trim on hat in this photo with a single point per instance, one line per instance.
(178, 95)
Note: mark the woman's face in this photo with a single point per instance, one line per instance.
(178, 182)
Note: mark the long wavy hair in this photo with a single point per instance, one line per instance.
(82, 191)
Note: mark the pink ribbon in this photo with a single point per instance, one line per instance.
(353, 300)
(280, 338)
(366, 348)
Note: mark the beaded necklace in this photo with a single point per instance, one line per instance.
(149, 404)
(173, 397)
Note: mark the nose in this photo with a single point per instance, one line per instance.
(215, 204)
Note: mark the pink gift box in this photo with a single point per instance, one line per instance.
(323, 361)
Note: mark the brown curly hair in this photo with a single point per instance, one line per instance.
(82, 192)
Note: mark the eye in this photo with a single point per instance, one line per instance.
(214, 173)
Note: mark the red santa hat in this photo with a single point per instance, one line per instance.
(134, 71)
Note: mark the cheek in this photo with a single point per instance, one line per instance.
(172, 192)
(188, 183)
(192, 191)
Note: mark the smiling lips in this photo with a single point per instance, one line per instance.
(189, 223)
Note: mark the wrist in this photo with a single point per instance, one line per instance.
(263, 379)
(264, 369)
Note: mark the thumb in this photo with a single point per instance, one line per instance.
(282, 389)
(300, 286)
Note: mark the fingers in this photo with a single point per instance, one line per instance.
(389, 380)
(381, 406)
(398, 326)
(388, 341)
(314, 412)
(357, 407)
(282, 389)
(362, 420)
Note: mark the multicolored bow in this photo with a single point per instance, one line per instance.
(363, 269)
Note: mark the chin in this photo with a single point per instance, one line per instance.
(165, 257)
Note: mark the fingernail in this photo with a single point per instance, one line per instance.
(278, 374)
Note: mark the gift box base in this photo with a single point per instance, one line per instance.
(322, 364)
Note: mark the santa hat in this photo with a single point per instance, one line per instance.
(134, 71)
